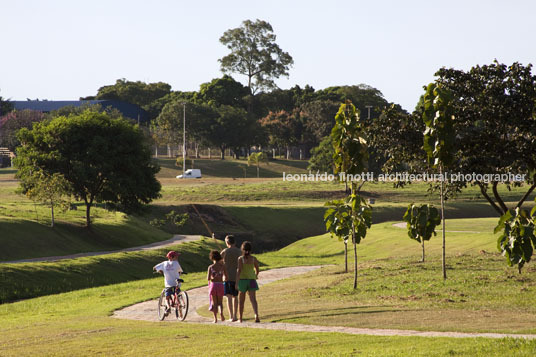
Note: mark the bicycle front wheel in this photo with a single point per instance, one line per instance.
(162, 306)
(181, 310)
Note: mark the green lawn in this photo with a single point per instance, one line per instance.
(78, 323)
(394, 291)
(232, 168)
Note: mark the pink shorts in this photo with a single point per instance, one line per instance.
(216, 289)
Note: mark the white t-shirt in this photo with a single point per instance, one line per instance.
(172, 270)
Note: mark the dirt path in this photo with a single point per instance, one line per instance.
(177, 239)
(404, 225)
(147, 311)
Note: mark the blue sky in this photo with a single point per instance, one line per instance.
(60, 49)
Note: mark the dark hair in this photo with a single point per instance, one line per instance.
(215, 255)
(230, 239)
(246, 248)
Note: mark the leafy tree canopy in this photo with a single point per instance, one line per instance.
(139, 93)
(103, 159)
(255, 54)
(223, 91)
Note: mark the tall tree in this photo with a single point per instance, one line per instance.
(495, 110)
(255, 54)
(103, 159)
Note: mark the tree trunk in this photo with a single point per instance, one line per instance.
(346, 256)
(88, 212)
(52, 215)
(209, 156)
(355, 244)
(422, 244)
(443, 263)
(288, 153)
(257, 170)
(196, 145)
(168, 150)
(222, 152)
(301, 154)
(355, 257)
(156, 151)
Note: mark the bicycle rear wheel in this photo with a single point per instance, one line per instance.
(181, 310)
(162, 306)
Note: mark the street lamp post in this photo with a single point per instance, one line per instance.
(368, 107)
(183, 137)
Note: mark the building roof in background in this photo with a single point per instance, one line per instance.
(128, 110)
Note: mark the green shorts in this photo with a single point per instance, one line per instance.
(247, 284)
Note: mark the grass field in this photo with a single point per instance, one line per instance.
(232, 168)
(399, 293)
(79, 323)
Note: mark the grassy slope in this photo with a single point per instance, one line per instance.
(20, 281)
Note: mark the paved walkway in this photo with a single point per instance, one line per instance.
(177, 239)
(147, 311)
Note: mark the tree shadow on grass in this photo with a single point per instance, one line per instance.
(342, 311)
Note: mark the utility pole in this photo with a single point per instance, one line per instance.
(368, 107)
(183, 137)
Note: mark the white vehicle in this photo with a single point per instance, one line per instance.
(190, 173)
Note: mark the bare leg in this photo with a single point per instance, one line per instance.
(232, 312)
(253, 299)
(220, 304)
(214, 307)
(241, 300)
(235, 303)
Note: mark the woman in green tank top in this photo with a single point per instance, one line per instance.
(247, 273)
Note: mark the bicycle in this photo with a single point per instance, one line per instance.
(179, 303)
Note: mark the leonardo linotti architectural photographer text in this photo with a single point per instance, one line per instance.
(405, 176)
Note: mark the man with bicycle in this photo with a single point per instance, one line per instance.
(171, 270)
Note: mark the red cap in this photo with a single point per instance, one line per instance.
(172, 254)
